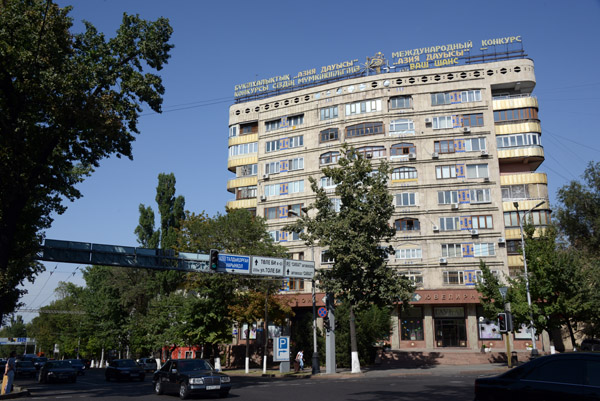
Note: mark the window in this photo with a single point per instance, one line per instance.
(296, 164)
(406, 199)
(328, 113)
(442, 122)
(243, 149)
(474, 144)
(272, 125)
(271, 190)
(472, 120)
(272, 167)
(528, 113)
(233, 131)
(480, 196)
(404, 173)
(470, 96)
(245, 193)
(329, 157)
(328, 135)
(247, 170)
(455, 97)
(479, 275)
(401, 149)
(327, 182)
(569, 371)
(402, 126)
(516, 140)
(400, 102)
(453, 278)
(296, 186)
(486, 249)
(326, 258)
(444, 146)
(296, 141)
(488, 329)
(295, 120)
(365, 106)
(451, 250)
(515, 192)
(407, 224)
(251, 128)
(364, 129)
(513, 247)
(441, 98)
(412, 320)
(274, 235)
(296, 284)
(477, 171)
(484, 221)
(447, 197)
(371, 151)
(449, 223)
(284, 143)
(408, 253)
(442, 172)
(272, 146)
(415, 276)
(537, 217)
(271, 213)
(336, 204)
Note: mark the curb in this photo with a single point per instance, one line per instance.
(17, 392)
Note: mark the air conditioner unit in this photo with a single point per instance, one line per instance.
(466, 130)
(412, 156)
(436, 228)
(501, 240)
(263, 198)
(428, 120)
(484, 153)
(474, 232)
(435, 155)
(265, 176)
(486, 179)
(454, 206)
(443, 261)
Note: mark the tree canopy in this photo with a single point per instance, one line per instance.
(67, 101)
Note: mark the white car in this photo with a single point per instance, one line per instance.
(148, 364)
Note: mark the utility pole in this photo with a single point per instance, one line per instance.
(330, 336)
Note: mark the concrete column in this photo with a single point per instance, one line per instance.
(428, 326)
(395, 335)
(472, 334)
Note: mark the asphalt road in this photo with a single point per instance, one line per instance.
(413, 387)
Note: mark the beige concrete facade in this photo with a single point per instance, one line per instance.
(479, 180)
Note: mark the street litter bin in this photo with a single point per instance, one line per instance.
(296, 366)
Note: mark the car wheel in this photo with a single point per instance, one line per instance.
(183, 391)
(158, 390)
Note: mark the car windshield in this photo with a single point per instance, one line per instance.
(59, 364)
(193, 365)
(126, 363)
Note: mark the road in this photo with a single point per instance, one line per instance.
(413, 387)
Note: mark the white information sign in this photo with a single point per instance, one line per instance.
(299, 269)
(281, 349)
(262, 266)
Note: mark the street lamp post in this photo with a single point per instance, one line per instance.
(534, 351)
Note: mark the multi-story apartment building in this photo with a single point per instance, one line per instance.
(464, 144)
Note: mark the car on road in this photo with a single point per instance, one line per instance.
(124, 369)
(57, 371)
(78, 365)
(590, 344)
(25, 369)
(568, 376)
(38, 362)
(148, 364)
(190, 377)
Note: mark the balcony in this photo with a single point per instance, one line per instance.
(518, 128)
(523, 178)
(236, 161)
(514, 102)
(238, 140)
(532, 156)
(241, 182)
(242, 204)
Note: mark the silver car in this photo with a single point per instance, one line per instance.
(148, 364)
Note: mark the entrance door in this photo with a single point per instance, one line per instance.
(450, 333)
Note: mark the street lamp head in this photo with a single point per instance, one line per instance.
(516, 205)
(538, 205)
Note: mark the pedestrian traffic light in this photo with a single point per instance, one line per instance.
(503, 322)
(213, 260)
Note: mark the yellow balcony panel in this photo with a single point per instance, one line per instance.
(506, 129)
(241, 182)
(242, 204)
(515, 260)
(404, 181)
(523, 178)
(238, 140)
(515, 103)
(512, 233)
(525, 205)
(236, 161)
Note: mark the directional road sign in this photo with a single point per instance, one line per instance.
(236, 264)
(281, 349)
(299, 269)
(262, 266)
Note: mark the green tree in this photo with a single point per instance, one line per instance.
(15, 328)
(353, 238)
(68, 101)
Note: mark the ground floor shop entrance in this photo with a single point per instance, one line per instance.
(450, 333)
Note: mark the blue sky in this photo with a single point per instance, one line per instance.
(219, 44)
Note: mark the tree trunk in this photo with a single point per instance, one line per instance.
(573, 342)
(353, 344)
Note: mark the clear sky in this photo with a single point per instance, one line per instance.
(219, 44)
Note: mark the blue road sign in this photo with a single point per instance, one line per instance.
(281, 351)
(236, 264)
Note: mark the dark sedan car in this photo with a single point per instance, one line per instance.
(190, 376)
(25, 369)
(39, 362)
(124, 369)
(569, 376)
(78, 365)
(57, 371)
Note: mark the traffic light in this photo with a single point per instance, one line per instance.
(213, 261)
(503, 322)
(326, 324)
